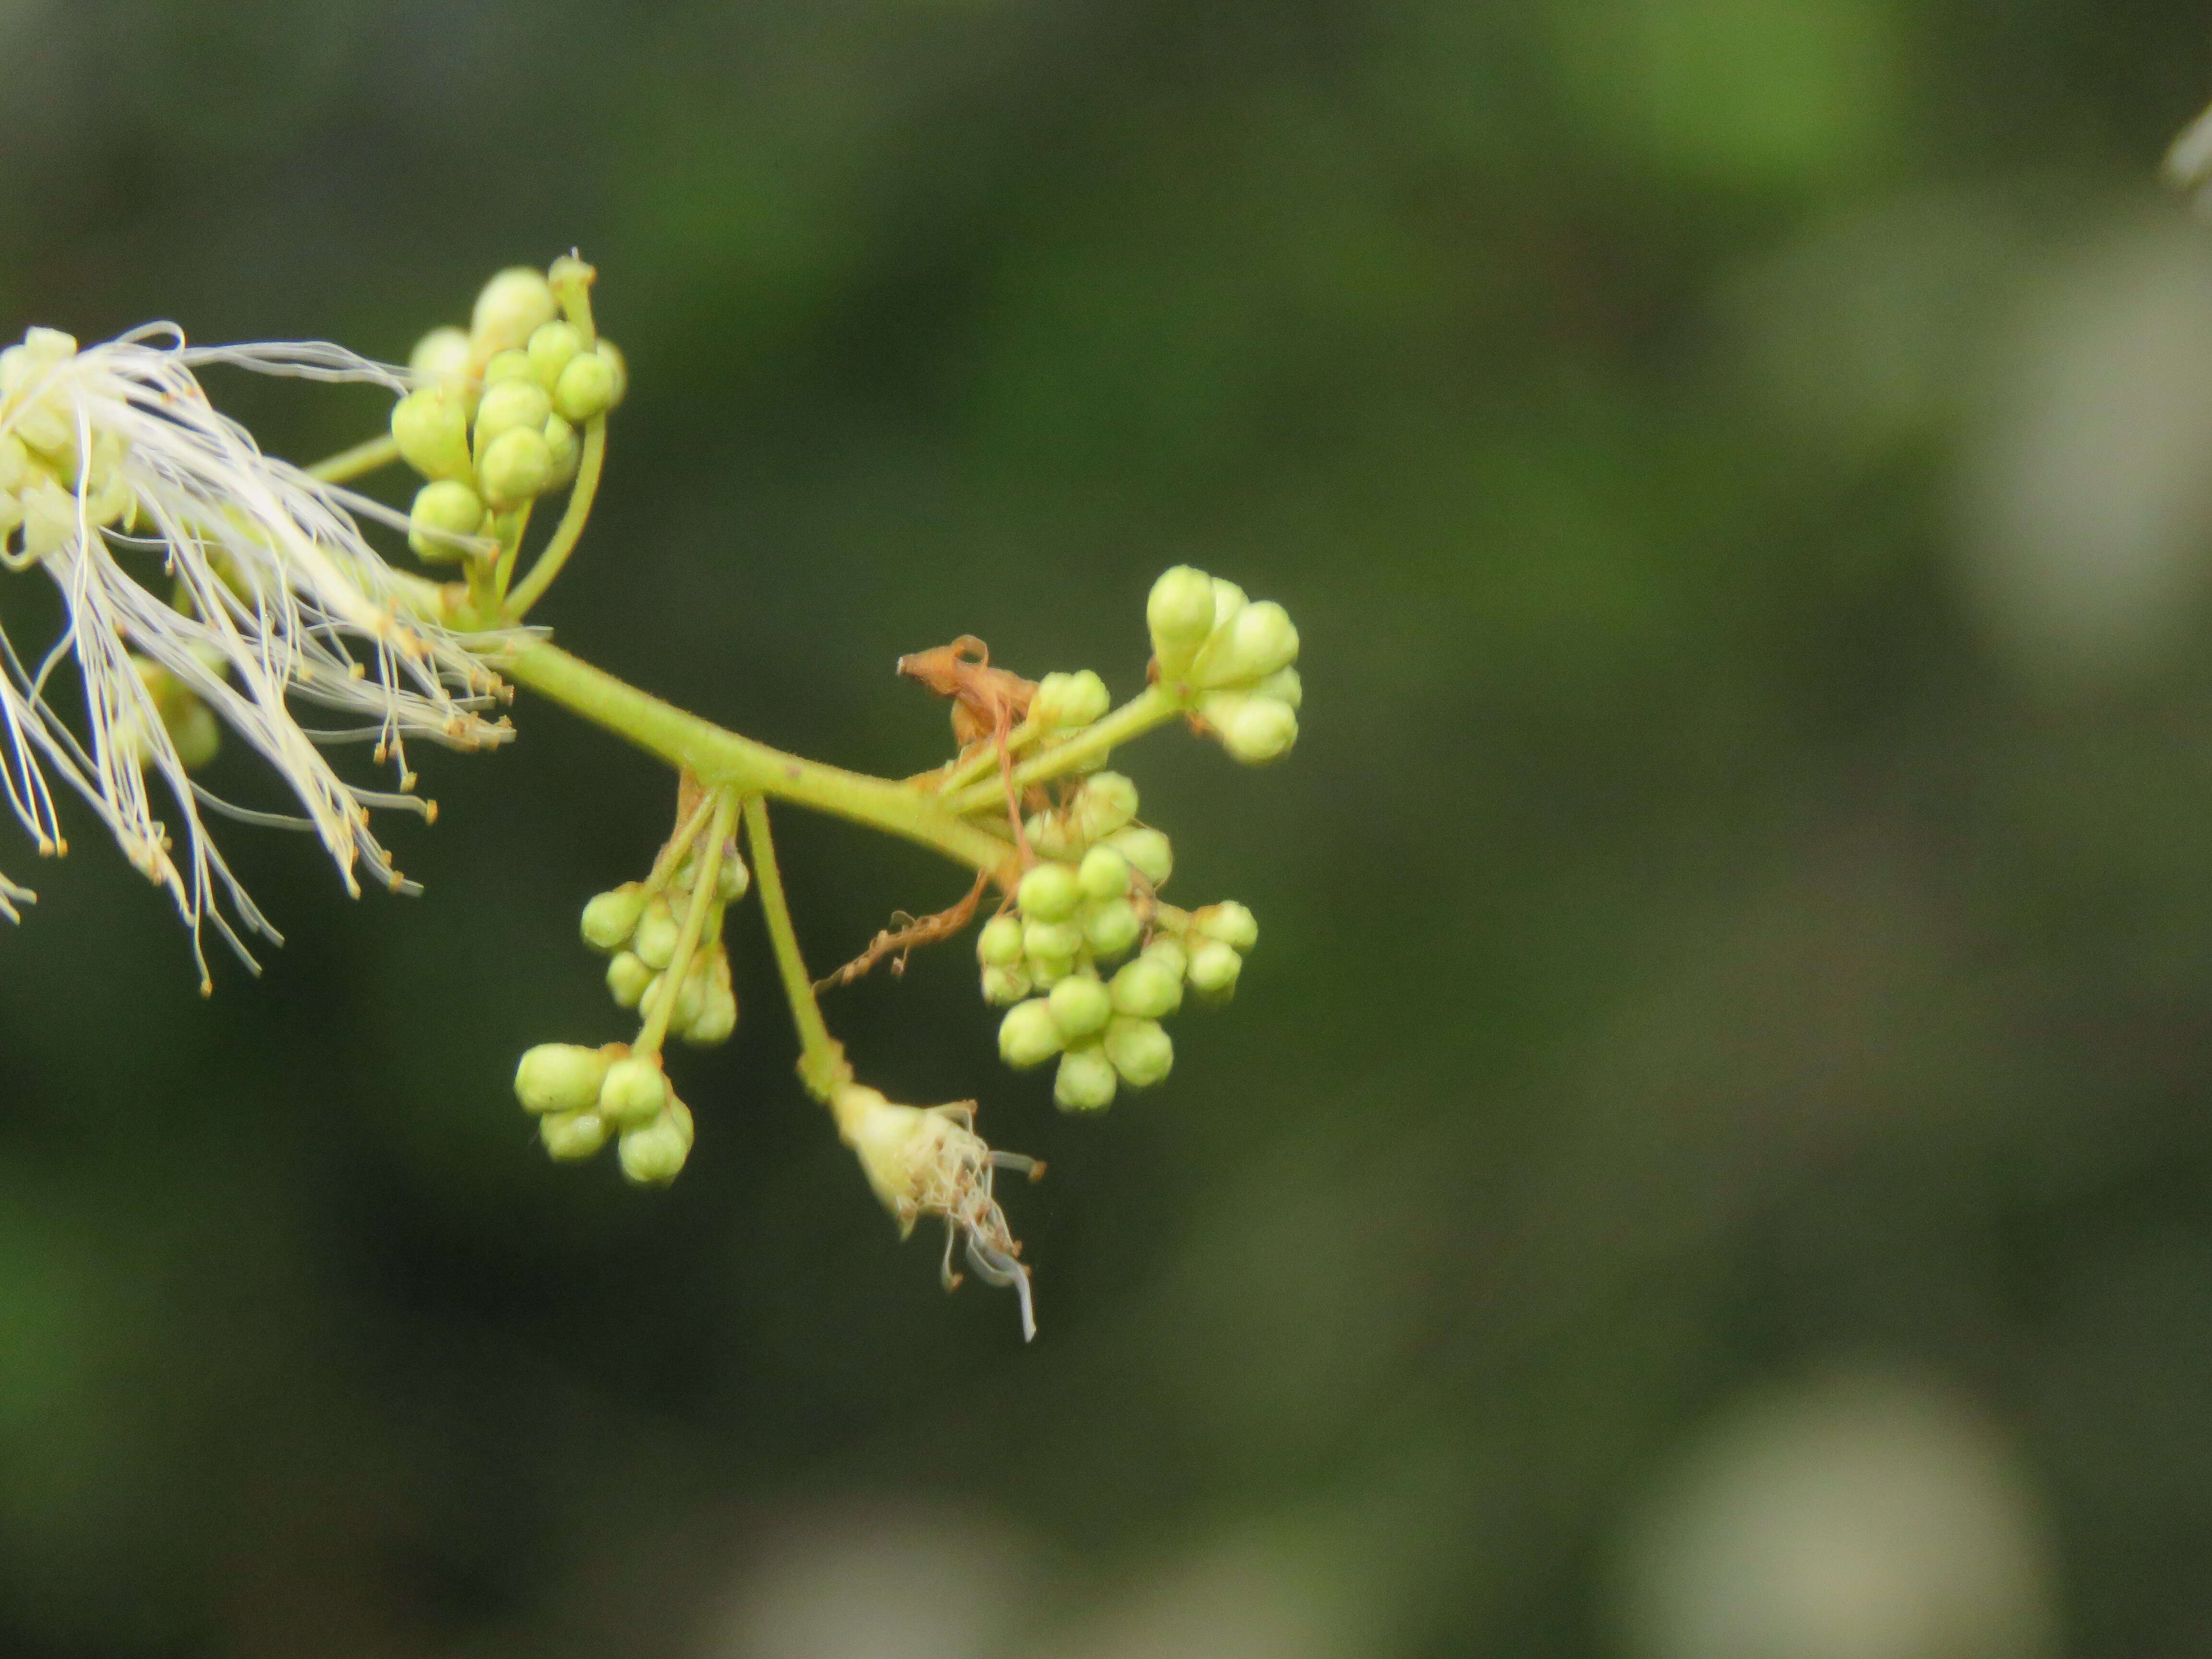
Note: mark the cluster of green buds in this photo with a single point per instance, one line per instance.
(498, 411)
(663, 938)
(1229, 659)
(41, 469)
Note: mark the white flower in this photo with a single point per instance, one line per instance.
(932, 1162)
(116, 473)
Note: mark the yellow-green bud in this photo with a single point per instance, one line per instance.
(690, 998)
(1103, 874)
(1005, 984)
(1228, 601)
(1142, 1052)
(560, 1077)
(1180, 613)
(1049, 836)
(509, 365)
(718, 1013)
(1079, 1006)
(1283, 686)
(1147, 988)
(441, 354)
(1111, 926)
(1066, 700)
(732, 881)
(196, 733)
(612, 916)
(441, 512)
(572, 1137)
(1048, 892)
(431, 427)
(1028, 1035)
(634, 1092)
(1259, 639)
(1214, 968)
(1085, 1081)
(565, 448)
(1045, 972)
(1167, 953)
(1149, 852)
(653, 1155)
(628, 979)
(511, 406)
(1228, 921)
(1000, 943)
(1107, 802)
(512, 308)
(1254, 729)
(590, 384)
(551, 348)
(657, 932)
(14, 461)
(1052, 941)
(517, 466)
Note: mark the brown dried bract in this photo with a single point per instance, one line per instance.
(908, 935)
(987, 701)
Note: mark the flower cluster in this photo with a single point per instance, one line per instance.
(1230, 659)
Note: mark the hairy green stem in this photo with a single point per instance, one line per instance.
(821, 1064)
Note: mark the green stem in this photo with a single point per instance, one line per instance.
(695, 924)
(362, 457)
(821, 1065)
(571, 527)
(1154, 706)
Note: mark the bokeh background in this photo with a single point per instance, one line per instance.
(1712, 1158)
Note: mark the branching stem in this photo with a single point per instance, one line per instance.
(821, 1064)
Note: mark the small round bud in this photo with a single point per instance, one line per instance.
(1180, 613)
(517, 466)
(1259, 639)
(1049, 836)
(1045, 972)
(1254, 729)
(1086, 1080)
(195, 731)
(1050, 892)
(733, 880)
(1103, 874)
(508, 366)
(1079, 1006)
(511, 406)
(549, 350)
(1167, 953)
(560, 1077)
(1067, 701)
(1284, 686)
(657, 932)
(628, 979)
(431, 427)
(443, 511)
(634, 1092)
(690, 999)
(679, 1116)
(653, 1156)
(1107, 802)
(512, 308)
(589, 386)
(1149, 852)
(1147, 988)
(571, 1137)
(565, 448)
(1228, 921)
(1214, 968)
(1142, 1052)
(717, 1017)
(1028, 1035)
(612, 916)
(1000, 943)
(1228, 601)
(1052, 941)
(1111, 926)
(441, 354)
(1003, 986)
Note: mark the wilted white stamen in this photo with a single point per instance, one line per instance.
(117, 450)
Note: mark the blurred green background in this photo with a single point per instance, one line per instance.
(1712, 1158)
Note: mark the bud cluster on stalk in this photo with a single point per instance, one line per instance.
(1230, 659)
(638, 928)
(583, 1097)
(495, 417)
(41, 469)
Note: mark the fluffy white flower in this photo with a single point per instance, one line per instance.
(116, 476)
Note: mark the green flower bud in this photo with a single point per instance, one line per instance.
(1028, 1035)
(1283, 686)
(550, 350)
(1142, 1052)
(431, 427)
(590, 385)
(1149, 852)
(1079, 1006)
(1180, 613)
(441, 354)
(634, 1092)
(571, 1137)
(718, 1013)
(1103, 874)
(1068, 701)
(1000, 943)
(1048, 892)
(1003, 986)
(1052, 941)
(1259, 639)
(657, 932)
(1214, 968)
(1049, 836)
(628, 979)
(560, 1077)
(690, 999)
(1045, 972)
(1085, 1081)
(512, 308)
(1228, 601)
(511, 406)
(1228, 921)
(653, 1156)
(1147, 988)
(196, 733)
(1167, 953)
(733, 880)
(510, 365)
(612, 916)
(441, 512)
(1110, 926)
(1254, 729)
(517, 465)
(14, 461)
(1106, 803)
(677, 1115)
(565, 448)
